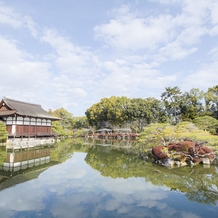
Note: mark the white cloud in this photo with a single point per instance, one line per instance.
(169, 37)
(70, 59)
(128, 31)
(9, 17)
(173, 51)
(203, 78)
(214, 12)
(214, 53)
(31, 25)
(17, 71)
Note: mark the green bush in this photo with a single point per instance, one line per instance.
(207, 123)
(156, 134)
(3, 133)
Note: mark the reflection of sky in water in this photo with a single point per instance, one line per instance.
(74, 189)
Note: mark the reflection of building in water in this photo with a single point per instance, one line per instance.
(24, 163)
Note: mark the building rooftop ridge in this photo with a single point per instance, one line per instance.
(19, 101)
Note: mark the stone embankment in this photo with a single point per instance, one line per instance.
(183, 153)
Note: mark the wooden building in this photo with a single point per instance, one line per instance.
(24, 119)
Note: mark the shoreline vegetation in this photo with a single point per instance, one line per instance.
(189, 116)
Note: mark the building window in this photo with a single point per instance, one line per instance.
(33, 122)
(9, 121)
(39, 122)
(26, 121)
(43, 122)
(20, 120)
(48, 122)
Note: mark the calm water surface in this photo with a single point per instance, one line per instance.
(83, 179)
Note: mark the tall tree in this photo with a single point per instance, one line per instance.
(117, 110)
(142, 112)
(66, 124)
(112, 110)
(172, 99)
(81, 122)
(67, 119)
(192, 104)
(139, 113)
(211, 99)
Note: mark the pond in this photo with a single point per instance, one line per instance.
(85, 179)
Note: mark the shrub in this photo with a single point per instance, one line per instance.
(207, 123)
(3, 133)
(157, 133)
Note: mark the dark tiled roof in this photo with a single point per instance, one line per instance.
(26, 109)
(6, 113)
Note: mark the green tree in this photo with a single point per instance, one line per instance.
(109, 110)
(117, 110)
(3, 132)
(207, 123)
(142, 112)
(122, 111)
(192, 104)
(172, 99)
(81, 122)
(97, 113)
(64, 126)
(211, 101)
(139, 114)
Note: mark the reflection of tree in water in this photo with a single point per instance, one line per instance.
(200, 184)
(64, 150)
(3, 154)
(114, 163)
(205, 189)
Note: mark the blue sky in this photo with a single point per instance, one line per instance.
(72, 53)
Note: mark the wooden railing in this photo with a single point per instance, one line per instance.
(37, 134)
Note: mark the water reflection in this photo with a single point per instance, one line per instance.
(199, 183)
(101, 181)
(27, 162)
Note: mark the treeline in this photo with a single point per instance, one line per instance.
(173, 107)
(69, 125)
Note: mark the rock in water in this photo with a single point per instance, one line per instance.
(206, 161)
(168, 162)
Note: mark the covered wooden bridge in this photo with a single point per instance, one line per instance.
(119, 134)
(24, 119)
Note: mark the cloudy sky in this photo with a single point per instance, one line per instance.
(72, 53)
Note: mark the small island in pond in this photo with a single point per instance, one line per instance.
(183, 153)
